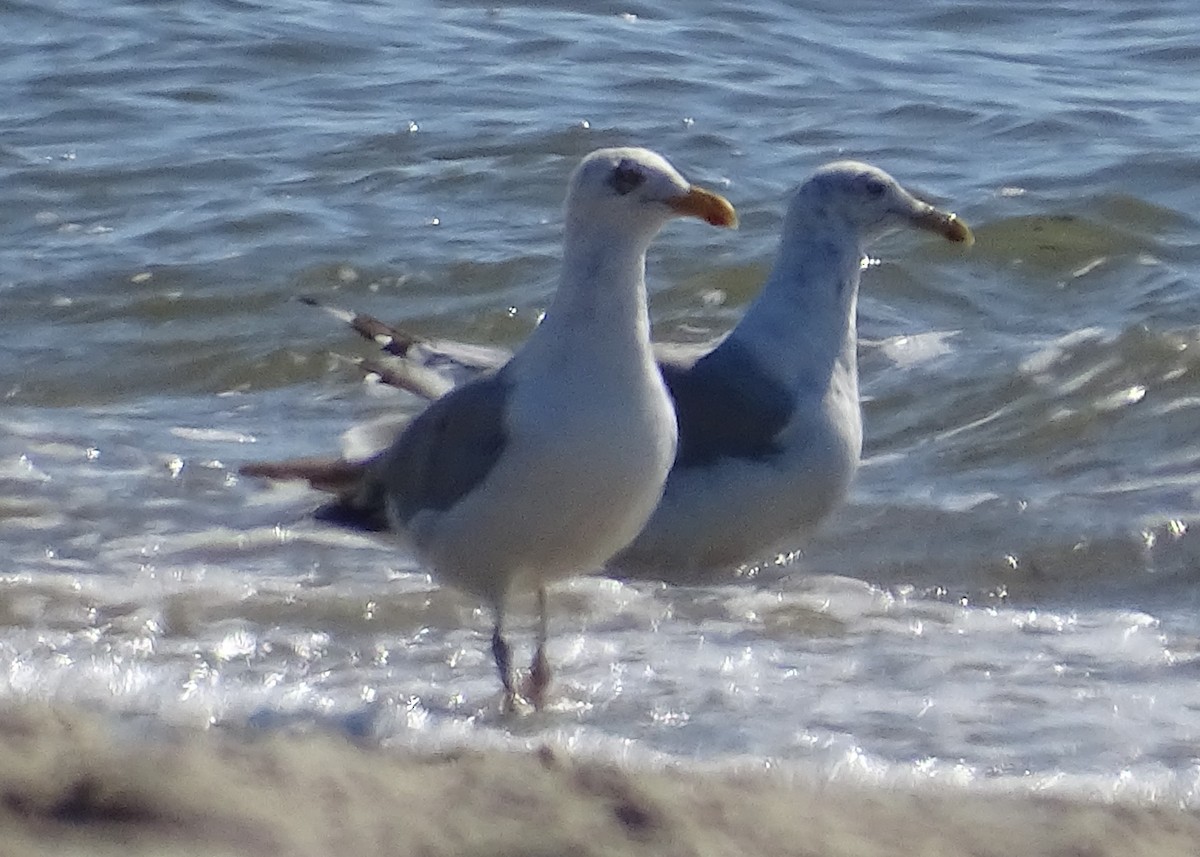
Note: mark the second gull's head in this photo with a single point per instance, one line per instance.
(864, 200)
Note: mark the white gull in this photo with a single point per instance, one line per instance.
(553, 462)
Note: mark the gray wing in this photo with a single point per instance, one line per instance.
(446, 451)
(727, 406)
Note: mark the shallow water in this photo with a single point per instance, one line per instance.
(1009, 595)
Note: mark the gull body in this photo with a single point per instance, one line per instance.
(770, 426)
(550, 464)
(770, 421)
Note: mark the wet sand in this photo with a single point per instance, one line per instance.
(69, 786)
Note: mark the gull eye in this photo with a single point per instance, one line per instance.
(875, 188)
(625, 178)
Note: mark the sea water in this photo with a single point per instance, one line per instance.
(1009, 596)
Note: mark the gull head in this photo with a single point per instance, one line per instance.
(637, 189)
(866, 201)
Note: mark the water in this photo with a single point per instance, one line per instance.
(1010, 596)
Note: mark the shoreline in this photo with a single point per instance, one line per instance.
(69, 786)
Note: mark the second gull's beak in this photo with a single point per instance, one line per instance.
(943, 223)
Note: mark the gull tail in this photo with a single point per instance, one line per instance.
(407, 371)
(331, 475)
(351, 513)
(406, 374)
(359, 504)
(391, 340)
(427, 368)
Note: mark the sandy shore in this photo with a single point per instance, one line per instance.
(68, 787)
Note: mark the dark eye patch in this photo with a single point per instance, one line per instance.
(625, 178)
(875, 187)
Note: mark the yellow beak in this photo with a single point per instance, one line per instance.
(706, 205)
(945, 224)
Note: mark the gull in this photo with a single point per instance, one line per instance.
(770, 426)
(551, 463)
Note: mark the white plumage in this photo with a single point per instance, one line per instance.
(552, 463)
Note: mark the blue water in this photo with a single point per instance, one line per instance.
(1009, 595)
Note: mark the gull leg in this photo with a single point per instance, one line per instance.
(503, 656)
(540, 673)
